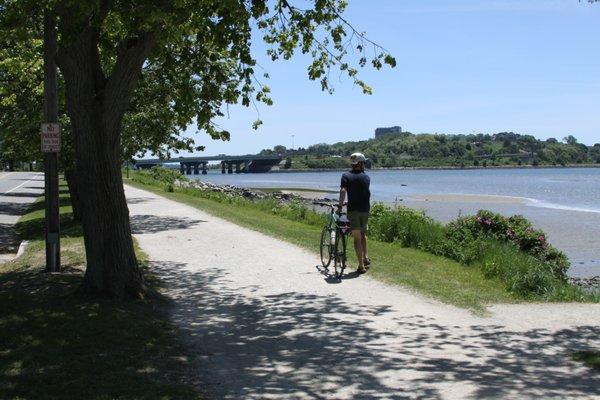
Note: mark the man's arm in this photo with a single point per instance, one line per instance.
(342, 198)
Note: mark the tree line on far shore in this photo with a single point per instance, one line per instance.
(438, 150)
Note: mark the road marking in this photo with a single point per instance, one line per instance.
(16, 187)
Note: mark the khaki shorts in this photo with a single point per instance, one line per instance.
(359, 220)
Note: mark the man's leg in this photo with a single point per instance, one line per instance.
(364, 226)
(358, 247)
(363, 237)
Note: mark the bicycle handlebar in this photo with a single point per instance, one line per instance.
(319, 203)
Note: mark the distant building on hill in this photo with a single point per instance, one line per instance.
(393, 130)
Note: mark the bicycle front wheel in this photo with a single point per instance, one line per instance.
(326, 247)
(340, 254)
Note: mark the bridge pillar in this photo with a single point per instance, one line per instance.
(196, 170)
(204, 171)
(222, 167)
(230, 168)
(237, 168)
(188, 169)
(182, 168)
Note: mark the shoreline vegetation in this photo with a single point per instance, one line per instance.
(444, 151)
(57, 342)
(436, 168)
(452, 263)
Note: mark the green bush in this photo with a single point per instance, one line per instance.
(522, 273)
(404, 225)
(516, 230)
(509, 249)
(156, 175)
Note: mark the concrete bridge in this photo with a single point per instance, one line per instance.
(229, 164)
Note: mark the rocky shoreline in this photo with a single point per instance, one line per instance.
(591, 284)
(251, 194)
(586, 283)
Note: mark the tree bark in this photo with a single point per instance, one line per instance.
(71, 178)
(112, 268)
(96, 106)
(111, 263)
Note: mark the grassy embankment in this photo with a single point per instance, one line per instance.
(589, 358)
(56, 342)
(414, 251)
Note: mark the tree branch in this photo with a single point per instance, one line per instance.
(121, 83)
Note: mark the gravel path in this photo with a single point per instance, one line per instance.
(261, 322)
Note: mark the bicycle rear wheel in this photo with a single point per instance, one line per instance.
(340, 254)
(326, 247)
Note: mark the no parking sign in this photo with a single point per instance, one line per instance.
(50, 138)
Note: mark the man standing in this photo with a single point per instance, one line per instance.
(356, 184)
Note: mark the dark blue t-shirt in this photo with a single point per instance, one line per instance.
(357, 184)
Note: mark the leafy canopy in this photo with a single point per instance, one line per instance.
(200, 59)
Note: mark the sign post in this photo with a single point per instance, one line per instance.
(50, 138)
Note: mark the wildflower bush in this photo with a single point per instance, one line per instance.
(507, 248)
(516, 230)
(522, 273)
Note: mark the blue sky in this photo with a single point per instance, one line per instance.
(529, 66)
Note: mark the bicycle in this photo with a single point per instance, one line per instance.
(333, 239)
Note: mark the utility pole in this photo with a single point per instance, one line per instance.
(292, 142)
(51, 145)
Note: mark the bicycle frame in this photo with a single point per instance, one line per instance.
(333, 241)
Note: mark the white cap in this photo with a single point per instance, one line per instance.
(355, 158)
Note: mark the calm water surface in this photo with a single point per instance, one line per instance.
(565, 202)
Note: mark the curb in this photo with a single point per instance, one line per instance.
(22, 248)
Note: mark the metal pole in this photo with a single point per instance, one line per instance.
(51, 159)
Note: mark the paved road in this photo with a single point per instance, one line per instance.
(17, 191)
(261, 322)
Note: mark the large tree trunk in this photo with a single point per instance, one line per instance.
(111, 263)
(112, 267)
(71, 178)
(96, 105)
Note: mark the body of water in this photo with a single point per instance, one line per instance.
(565, 202)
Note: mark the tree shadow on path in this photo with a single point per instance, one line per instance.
(155, 224)
(13, 209)
(298, 345)
(138, 200)
(8, 238)
(27, 195)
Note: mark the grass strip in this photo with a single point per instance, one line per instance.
(589, 358)
(433, 276)
(58, 343)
